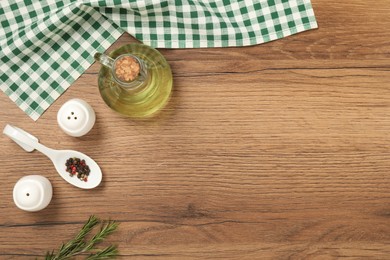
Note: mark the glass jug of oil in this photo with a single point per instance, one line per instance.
(135, 80)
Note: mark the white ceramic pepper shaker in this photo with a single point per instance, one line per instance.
(76, 117)
(32, 193)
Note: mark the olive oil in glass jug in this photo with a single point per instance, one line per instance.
(135, 80)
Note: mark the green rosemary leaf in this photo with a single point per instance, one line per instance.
(107, 228)
(106, 253)
(49, 255)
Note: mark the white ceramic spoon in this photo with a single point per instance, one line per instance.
(59, 157)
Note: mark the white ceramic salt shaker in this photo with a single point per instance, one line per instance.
(32, 193)
(76, 117)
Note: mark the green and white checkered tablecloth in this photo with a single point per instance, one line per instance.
(46, 45)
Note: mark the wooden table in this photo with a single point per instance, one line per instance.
(275, 151)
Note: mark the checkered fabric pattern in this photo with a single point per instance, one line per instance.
(46, 45)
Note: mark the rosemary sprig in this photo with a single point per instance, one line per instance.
(79, 245)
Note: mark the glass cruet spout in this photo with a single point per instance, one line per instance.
(127, 70)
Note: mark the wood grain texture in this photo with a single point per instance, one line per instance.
(275, 151)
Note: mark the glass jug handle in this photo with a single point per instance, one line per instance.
(104, 59)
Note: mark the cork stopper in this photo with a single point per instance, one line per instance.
(127, 68)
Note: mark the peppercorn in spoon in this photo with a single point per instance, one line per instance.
(75, 167)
